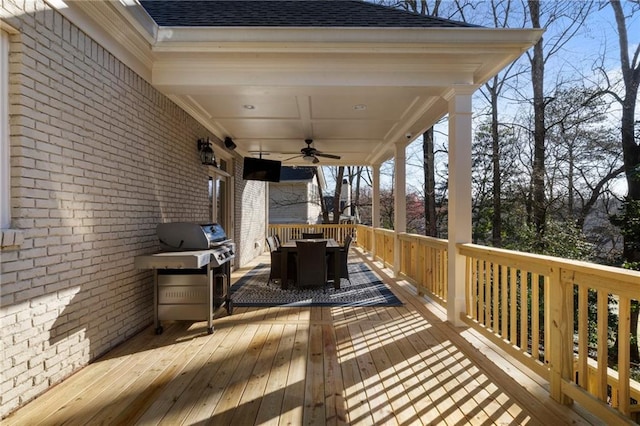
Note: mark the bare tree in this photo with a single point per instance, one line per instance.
(539, 132)
(336, 195)
(455, 9)
(573, 14)
(323, 204)
(501, 11)
(583, 149)
(630, 69)
(430, 218)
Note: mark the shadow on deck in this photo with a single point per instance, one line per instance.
(318, 365)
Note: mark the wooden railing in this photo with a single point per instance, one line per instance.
(385, 240)
(364, 237)
(552, 314)
(289, 232)
(423, 262)
(506, 295)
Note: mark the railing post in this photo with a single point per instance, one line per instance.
(561, 329)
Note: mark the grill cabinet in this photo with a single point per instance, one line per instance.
(190, 284)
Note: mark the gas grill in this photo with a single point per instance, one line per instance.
(192, 273)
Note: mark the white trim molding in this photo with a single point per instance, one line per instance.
(5, 164)
(9, 238)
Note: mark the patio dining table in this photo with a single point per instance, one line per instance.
(290, 247)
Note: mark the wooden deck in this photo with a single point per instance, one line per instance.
(396, 365)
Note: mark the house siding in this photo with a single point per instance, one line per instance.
(250, 229)
(98, 159)
(294, 202)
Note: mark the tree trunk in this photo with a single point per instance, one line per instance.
(356, 201)
(630, 152)
(336, 195)
(496, 218)
(571, 182)
(537, 77)
(431, 225)
(323, 206)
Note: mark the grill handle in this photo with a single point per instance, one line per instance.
(169, 245)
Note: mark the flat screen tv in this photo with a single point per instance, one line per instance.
(261, 169)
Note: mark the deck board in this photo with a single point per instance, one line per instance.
(318, 366)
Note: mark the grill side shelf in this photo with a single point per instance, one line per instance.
(174, 260)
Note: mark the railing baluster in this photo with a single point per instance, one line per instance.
(535, 316)
(468, 279)
(603, 345)
(547, 320)
(583, 336)
(624, 333)
(482, 285)
(475, 290)
(504, 303)
(523, 311)
(495, 300)
(513, 308)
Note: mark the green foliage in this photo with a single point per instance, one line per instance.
(628, 220)
(561, 239)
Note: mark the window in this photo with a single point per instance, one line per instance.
(221, 196)
(218, 200)
(5, 173)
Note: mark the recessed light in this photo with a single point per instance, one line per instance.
(360, 107)
(248, 106)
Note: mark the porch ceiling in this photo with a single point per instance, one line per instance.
(354, 91)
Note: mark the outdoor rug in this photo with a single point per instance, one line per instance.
(366, 289)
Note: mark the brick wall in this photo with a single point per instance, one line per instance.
(98, 159)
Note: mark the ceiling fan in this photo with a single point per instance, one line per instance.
(310, 154)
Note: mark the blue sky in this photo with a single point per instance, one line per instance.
(597, 37)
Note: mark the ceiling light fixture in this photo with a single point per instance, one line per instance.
(360, 107)
(249, 106)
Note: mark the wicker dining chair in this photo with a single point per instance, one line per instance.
(311, 264)
(276, 256)
(343, 256)
(312, 235)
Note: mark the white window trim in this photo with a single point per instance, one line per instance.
(10, 239)
(5, 166)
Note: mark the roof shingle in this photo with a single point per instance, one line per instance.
(297, 173)
(287, 13)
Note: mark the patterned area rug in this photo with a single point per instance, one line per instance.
(366, 289)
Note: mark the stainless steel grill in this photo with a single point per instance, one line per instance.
(192, 273)
(185, 236)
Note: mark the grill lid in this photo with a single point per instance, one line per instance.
(180, 236)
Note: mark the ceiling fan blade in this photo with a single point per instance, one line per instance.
(291, 158)
(335, 157)
(315, 160)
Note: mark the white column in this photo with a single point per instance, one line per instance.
(375, 206)
(459, 226)
(266, 211)
(399, 202)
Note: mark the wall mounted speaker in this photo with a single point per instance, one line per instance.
(228, 142)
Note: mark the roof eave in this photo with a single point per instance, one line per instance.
(346, 39)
